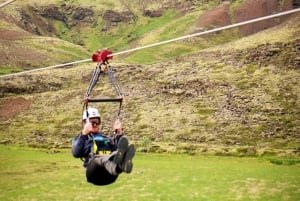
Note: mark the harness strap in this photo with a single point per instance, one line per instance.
(96, 150)
(114, 82)
(95, 77)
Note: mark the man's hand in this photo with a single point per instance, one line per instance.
(86, 100)
(88, 128)
(118, 127)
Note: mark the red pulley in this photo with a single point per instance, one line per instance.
(102, 56)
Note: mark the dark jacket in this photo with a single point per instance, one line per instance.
(83, 146)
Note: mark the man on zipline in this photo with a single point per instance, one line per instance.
(104, 157)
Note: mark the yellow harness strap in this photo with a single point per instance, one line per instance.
(99, 152)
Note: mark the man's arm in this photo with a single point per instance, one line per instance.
(79, 146)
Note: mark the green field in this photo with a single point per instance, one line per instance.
(31, 174)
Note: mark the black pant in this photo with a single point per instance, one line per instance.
(101, 170)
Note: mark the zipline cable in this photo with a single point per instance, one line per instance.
(49, 67)
(167, 41)
(5, 3)
(209, 31)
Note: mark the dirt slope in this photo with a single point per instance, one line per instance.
(249, 9)
(10, 108)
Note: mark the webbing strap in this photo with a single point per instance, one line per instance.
(94, 80)
(113, 80)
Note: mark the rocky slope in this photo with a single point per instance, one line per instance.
(27, 24)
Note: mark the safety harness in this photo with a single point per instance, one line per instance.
(100, 145)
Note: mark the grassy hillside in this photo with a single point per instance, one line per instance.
(238, 98)
(82, 23)
(21, 50)
(209, 102)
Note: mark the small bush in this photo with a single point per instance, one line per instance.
(284, 161)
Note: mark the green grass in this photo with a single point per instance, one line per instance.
(31, 174)
(7, 70)
(150, 25)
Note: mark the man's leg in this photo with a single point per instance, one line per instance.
(110, 166)
(120, 153)
(127, 162)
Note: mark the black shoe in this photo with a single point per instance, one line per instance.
(127, 162)
(122, 147)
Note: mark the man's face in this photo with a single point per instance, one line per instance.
(95, 122)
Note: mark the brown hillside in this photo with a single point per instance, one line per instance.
(249, 9)
(219, 16)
